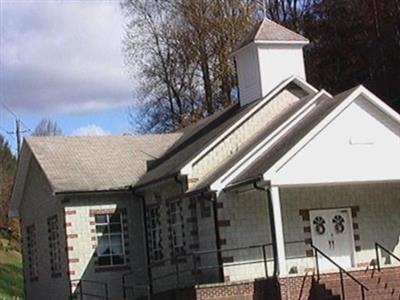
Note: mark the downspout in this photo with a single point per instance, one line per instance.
(217, 239)
(179, 180)
(217, 235)
(272, 224)
(146, 238)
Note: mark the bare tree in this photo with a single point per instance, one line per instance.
(179, 52)
(47, 127)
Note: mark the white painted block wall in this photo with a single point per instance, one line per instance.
(38, 204)
(377, 219)
(84, 246)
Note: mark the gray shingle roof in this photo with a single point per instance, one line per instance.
(325, 105)
(74, 164)
(193, 140)
(267, 131)
(270, 31)
(198, 136)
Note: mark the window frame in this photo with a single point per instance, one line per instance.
(154, 233)
(176, 227)
(54, 246)
(108, 235)
(32, 252)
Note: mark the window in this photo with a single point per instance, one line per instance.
(31, 241)
(54, 246)
(176, 227)
(110, 239)
(154, 232)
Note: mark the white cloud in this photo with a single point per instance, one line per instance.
(90, 130)
(63, 56)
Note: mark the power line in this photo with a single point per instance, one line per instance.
(9, 110)
(16, 117)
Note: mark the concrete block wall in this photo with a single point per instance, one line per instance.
(375, 213)
(37, 206)
(82, 242)
(243, 221)
(163, 272)
(241, 135)
(207, 240)
(199, 233)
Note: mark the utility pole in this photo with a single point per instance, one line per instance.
(18, 130)
(18, 135)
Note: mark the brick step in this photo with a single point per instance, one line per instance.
(381, 285)
(370, 283)
(357, 292)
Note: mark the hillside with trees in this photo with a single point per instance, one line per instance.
(10, 257)
(8, 167)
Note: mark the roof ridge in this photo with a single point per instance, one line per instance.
(70, 137)
(281, 27)
(272, 32)
(178, 146)
(259, 28)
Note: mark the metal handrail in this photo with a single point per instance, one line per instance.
(341, 271)
(378, 263)
(194, 255)
(81, 292)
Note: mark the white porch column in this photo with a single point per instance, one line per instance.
(280, 242)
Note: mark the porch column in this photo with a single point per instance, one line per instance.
(278, 226)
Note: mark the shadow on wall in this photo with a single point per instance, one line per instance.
(266, 289)
(103, 273)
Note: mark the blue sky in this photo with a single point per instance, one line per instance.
(63, 60)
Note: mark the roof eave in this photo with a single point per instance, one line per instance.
(74, 192)
(283, 42)
(248, 181)
(270, 42)
(156, 181)
(19, 180)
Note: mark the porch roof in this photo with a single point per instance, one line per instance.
(268, 130)
(324, 106)
(193, 139)
(198, 136)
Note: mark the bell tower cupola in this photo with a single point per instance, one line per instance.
(269, 55)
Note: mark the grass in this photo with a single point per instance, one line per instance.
(11, 280)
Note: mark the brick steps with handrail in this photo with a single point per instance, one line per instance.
(384, 284)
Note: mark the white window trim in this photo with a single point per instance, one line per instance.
(109, 234)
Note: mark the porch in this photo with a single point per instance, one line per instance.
(271, 234)
(366, 214)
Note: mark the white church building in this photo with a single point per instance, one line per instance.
(291, 193)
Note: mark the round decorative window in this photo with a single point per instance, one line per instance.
(319, 223)
(338, 220)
